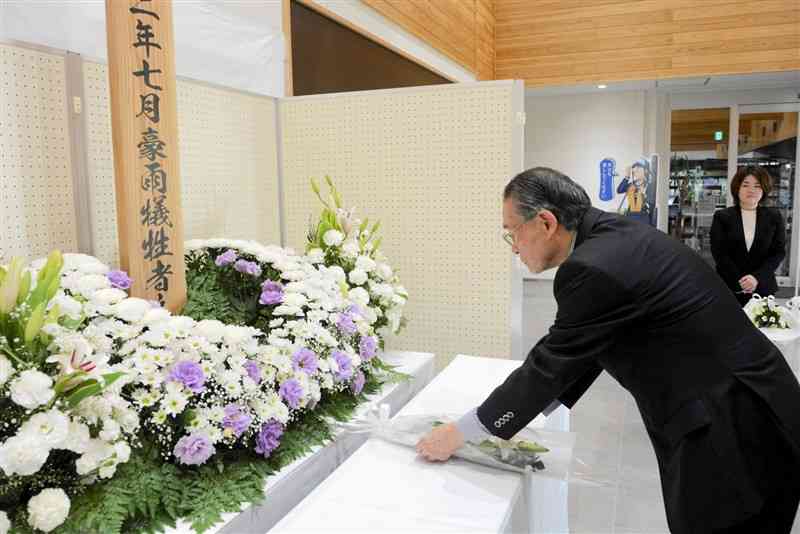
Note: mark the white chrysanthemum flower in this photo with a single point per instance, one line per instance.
(235, 335)
(350, 249)
(211, 329)
(78, 438)
(359, 296)
(384, 272)
(111, 430)
(22, 455)
(89, 284)
(32, 389)
(49, 428)
(174, 403)
(315, 255)
(6, 369)
(357, 276)
(365, 263)
(103, 298)
(67, 305)
(131, 309)
(333, 238)
(48, 509)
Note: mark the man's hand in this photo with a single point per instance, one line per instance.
(440, 443)
(748, 283)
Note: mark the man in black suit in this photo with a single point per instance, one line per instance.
(719, 401)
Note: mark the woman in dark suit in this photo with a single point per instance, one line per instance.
(748, 241)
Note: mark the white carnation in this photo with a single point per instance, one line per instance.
(131, 309)
(155, 315)
(78, 438)
(337, 273)
(88, 285)
(211, 329)
(22, 455)
(359, 296)
(6, 369)
(365, 263)
(358, 276)
(350, 249)
(108, 296)
(315, 255)
(370, 315)
(67, 306)
(384, 272)
(333, 238)
(49, 429)
(295, 299)
(48, 509)
(32, 389)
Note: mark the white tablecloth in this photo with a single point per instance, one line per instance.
(288, 487)
(789, 343)
(385, 487)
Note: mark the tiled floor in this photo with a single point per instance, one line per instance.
(612, 441)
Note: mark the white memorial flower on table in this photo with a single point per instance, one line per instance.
(32, 389)
(48, 509)
(5, 524)
(359, 296)
(132, 309)
(365, 263)
(357, 276)
(333, 238)
(22, 455)
(6, 369)
(50, 429)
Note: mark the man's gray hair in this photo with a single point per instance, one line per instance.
(543, 188)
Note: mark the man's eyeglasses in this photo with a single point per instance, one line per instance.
(508, 235)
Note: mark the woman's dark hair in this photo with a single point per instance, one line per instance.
(758, 173)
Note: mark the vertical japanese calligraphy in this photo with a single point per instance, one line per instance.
(142, 76)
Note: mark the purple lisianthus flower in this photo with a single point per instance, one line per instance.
(119, 279)
(190, 374)
(344, 363)
(368, 347)
(247, 267)
(269, 437)
(226, 258)
(357, 385)
(194, 449)
(291, 391)
(305, 360)
(253, 371)
(345, 324)
(271, 293)
(236, 420)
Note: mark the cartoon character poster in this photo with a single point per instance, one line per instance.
(637, 190)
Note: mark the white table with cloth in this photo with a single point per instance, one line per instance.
(788, 341)
(384, 487)
(291, 484)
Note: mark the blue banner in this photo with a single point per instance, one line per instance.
(607, 170)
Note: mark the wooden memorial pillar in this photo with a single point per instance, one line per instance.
(141, 71)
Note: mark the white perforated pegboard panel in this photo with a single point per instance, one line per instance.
(228, 160)
(431, 164)
(37, 213)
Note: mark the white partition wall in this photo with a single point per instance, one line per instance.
(37, 209)
(228, 161)
(431, 164)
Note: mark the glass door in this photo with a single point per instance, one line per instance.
(698, 174)
(767, 138)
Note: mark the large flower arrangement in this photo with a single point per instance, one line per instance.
(766, 313)
(271, 349)
(351, 246)
(63, 423)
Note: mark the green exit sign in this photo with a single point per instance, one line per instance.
(718, 135)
